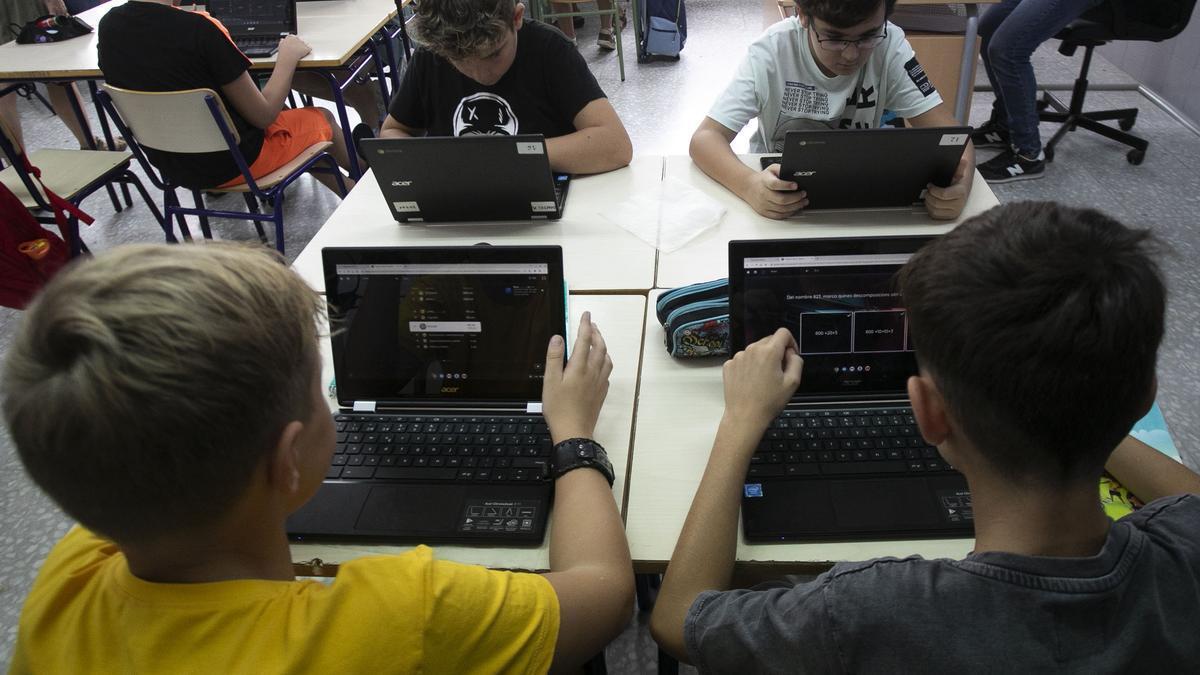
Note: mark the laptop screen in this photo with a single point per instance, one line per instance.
(838, 299)
(266, 17)
(443, 324)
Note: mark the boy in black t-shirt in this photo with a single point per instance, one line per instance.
(485, 70)
(151, 45)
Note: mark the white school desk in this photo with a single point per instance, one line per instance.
(706, 257)
(680, 402)
(620, 319)
(598, 255)
(335, 29)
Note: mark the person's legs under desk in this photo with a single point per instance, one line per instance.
(1007, 58)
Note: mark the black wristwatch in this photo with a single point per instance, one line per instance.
(575, 453)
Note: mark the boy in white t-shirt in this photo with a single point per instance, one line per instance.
(839, 64)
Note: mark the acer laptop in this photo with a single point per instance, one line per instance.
(255, 26)
(467, 178)
(438, 355)
(869, 168)
(845, 459)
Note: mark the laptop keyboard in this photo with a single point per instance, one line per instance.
(460, 449)
(257, 46)
(843, 442)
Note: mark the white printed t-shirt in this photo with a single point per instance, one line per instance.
(780, 83)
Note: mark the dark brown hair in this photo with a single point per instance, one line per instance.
(1040, 324)
(843, 13)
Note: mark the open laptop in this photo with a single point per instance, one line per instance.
(467, 178)
(845, 459)
(438, 355)
(869, 168)
(255, 26)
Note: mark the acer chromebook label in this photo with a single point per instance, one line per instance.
(467, 178)
(845, 459)
(869, 168)
(438, 356)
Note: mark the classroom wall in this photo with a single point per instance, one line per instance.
(1168, 68)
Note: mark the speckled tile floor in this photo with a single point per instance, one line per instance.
(661, 103)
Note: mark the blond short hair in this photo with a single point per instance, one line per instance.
(146, 386)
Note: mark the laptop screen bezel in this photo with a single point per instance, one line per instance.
(739, 250)
(479, 254)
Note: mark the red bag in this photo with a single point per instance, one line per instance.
(29, 253)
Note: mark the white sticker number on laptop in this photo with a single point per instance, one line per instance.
(535, 148)
(543, 207)
(406, 207)
(953, 139)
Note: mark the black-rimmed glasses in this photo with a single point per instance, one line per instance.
(840, 44)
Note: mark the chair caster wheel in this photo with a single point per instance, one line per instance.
(1049, 152)
(1127, 123)
(1136, 157)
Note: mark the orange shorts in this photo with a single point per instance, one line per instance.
(292, 132)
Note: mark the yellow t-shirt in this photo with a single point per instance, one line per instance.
(405, 613)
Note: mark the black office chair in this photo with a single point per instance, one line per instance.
(1113, 20)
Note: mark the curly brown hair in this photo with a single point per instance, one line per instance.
(462, 29)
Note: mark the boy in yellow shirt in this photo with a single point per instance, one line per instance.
(170, 400)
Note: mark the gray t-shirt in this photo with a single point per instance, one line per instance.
(1134, 607)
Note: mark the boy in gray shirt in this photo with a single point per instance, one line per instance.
(1027, 394)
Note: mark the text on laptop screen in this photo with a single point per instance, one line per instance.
(844, 312)
(474, 331)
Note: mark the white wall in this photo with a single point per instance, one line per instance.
(1169, 68)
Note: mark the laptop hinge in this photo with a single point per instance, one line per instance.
(533, 407)
(364, 406)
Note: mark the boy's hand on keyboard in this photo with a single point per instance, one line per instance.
(572, 395)
(291, 47)
(761, 379)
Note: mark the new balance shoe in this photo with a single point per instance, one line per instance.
(1010, 166)
(991, 134)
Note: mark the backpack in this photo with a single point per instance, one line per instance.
(29, 253)
(664, 29)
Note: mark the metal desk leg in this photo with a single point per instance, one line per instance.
(637, 30)
(967, 67)
(404, 41)
(107, 131)
(344, 120)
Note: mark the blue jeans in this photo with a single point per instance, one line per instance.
(1011, 31)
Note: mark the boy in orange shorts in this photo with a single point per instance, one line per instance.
(151, 45)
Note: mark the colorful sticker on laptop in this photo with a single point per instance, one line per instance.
(753, 489)
(543, 207)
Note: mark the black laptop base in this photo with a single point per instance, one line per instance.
(850, 474)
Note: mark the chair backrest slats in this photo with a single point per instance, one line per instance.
(172, 121)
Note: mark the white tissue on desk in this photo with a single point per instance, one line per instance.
(669, 220)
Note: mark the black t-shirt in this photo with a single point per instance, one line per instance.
(151, 47)
(546, 86)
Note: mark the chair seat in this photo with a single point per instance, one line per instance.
(65, 172)
(272, 179)
(1086, 33)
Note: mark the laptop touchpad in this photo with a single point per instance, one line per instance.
(411, 509)
(871, 504)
